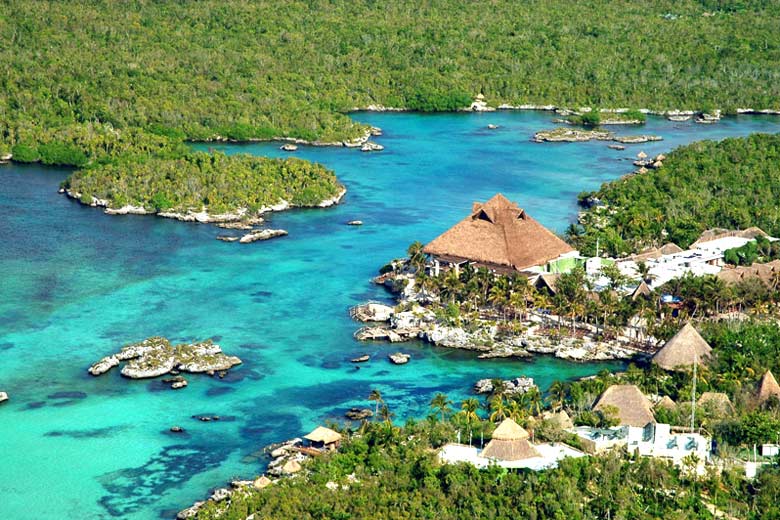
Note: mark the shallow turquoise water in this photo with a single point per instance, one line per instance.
(75, 284)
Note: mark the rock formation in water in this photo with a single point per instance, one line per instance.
(156, 356)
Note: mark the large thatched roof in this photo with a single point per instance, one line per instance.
(768, 387)
(683, 349)
(323, 435)
(641, 290)
(766, 273)
(509, 442)
(499, 233)
(633, 408)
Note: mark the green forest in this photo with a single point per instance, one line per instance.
(732, 184)
(257, 70)
(199, 180)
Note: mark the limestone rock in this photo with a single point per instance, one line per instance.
(369, 146)
(3, 397)
(361, 359)
(355, 223)
(399, 358)
(289, 147)
(103, 366)
(262, 234)
(358, 414)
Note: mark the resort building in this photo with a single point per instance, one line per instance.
(683, 350)
(629, 404)
(653, 440)
(502, 237)
(704, 257)
(510, 448)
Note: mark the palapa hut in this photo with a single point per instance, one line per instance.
(641, 155)
(665, 403)
(716, 402)
(262, 482)
(547, 282)
(509, 442)
(323, 437)
(670, 248)
(642, 291)
(768, 388)
(633, 408)
(498, 235)
(685, 348)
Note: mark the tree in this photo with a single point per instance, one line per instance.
(376, 396)
(416, 256)
(441, 404)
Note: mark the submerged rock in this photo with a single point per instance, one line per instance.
(227, 238)
(156, 356)
(358, 414)
(361, 359)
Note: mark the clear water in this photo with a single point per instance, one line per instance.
(76, 284)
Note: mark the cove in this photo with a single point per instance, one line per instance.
(75, 284)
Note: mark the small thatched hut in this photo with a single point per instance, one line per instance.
(665, 403)
(717, 402)
(768, 388)
(547, 282)
(683, 350)
(633, 408)
(322, 437)
(509, 442)
(642, 291)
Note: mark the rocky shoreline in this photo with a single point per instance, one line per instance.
(538, 334)
(203, 216)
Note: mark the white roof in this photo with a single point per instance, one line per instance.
(550, 453)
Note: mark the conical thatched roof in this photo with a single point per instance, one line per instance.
(666, 403)
(768, 387)
(560, 419)
(716, 401)
(642, 155)
(323, 435)
(670, 248)
(292, 466)
(510, 442)
(683, 349)
(641, 290)
(509, 430)
(262, 482)
(633, 408)
(499, 234)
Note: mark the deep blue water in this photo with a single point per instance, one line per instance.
(76, 284)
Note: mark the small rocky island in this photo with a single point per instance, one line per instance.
(578, 135)
(155, 356)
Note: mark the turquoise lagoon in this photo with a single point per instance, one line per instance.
(76, 284)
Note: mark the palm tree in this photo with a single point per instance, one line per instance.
(385, 414)
(533, 400)
(441, 404)
(468, 410)
(376, 396)
(498, 408)
(557, 395)
(416, 255)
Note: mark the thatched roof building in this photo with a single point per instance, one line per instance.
(642, 290)
(633, 408)
(665, 403)
(499, 235)
(768, 388)
(716, 233)
(509, 442)
(547, 282)
(767, 273)
(323, 436)
(717, 402)
(685, 348)
(669, 248)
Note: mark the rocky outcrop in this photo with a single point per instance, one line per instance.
(289, 147)
(261, 234)
(360, 359)
(399, 358)
(359, 414)
(333, 200)
(372, 312)
(518, 385)
(156, 356)
(3, 397)
(576, 135)
(355, 223)
(369, 146)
